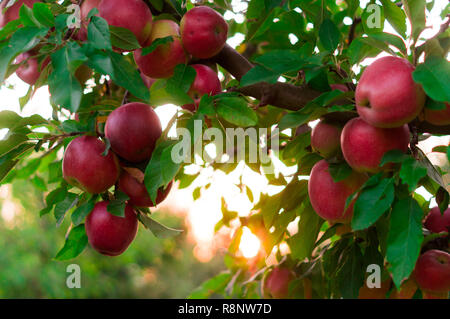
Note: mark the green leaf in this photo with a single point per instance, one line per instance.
(212, 286)
(62, 207)
(339, 171)
(358, 51)
(371, 203)
(404, 238)
(235, 110)
(383, 39)
(24, 39)
(9, 119)
(281, 61)
(82, 211)
(293, 119)
(116, 206)
(155, 44)
(43, 14)
(206, 105)
(302, 243)
(27, 17)
(9, 28)
(182, 79)
(434, 76)
(74, 245)
(393, 156)
(64, 87)
(98, 33)
(153, 179)
(169, 168)
(158, 229)
(411, 172)
(123, 38)
(350, 276)
(12, 142)
(415, 9)
(395, 16)
(121, 72)
(259, 74)
(329, 35)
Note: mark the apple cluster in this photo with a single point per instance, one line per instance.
(387, 99)
(132, 129)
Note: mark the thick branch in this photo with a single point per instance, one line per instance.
(288, 96)
(283, 95)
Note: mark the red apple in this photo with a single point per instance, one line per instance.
(30, 71)
(84, 165)
(109, 234)
(437, 222)
(276, 283)
(162, 61)
(325, 139)
(386, 95)
(86, 7)
(432, 271)
(203, 32)
(12, 13)
(328, 197)
(438, 117)
(133, 15)
(206, 82)
(364, 145)
(133, 130)
(137, 191)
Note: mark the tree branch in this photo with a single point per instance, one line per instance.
(288, 96)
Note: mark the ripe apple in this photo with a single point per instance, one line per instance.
(86, 7)
(133, 130)
(325, 139)
(364, 145)
(436, 222)
(133, 15)
(438, 117)
(84, 165)
(30, 71)
(432, 271)
(206, 82)
(328, 197)
(136, 190)
(386, 95)
(12, 13)
(162, 61)
(276, 283)
(203, 32)
(375, 293)
(109, 234)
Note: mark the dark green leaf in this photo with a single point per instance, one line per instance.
(434, 76)
(75, 243)
(404, 239)
(155, 44)
(411, 172)
(329, 35)
(123, 38)
(236, 111)
(98, 33)
(158, 229)
(372, 202)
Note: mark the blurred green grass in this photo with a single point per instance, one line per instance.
(150, 268)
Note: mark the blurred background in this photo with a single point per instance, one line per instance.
(151, 267)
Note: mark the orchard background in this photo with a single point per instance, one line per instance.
(238, 229)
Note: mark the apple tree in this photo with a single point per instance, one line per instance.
(345, 91)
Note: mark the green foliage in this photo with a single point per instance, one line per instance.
(305, 47)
